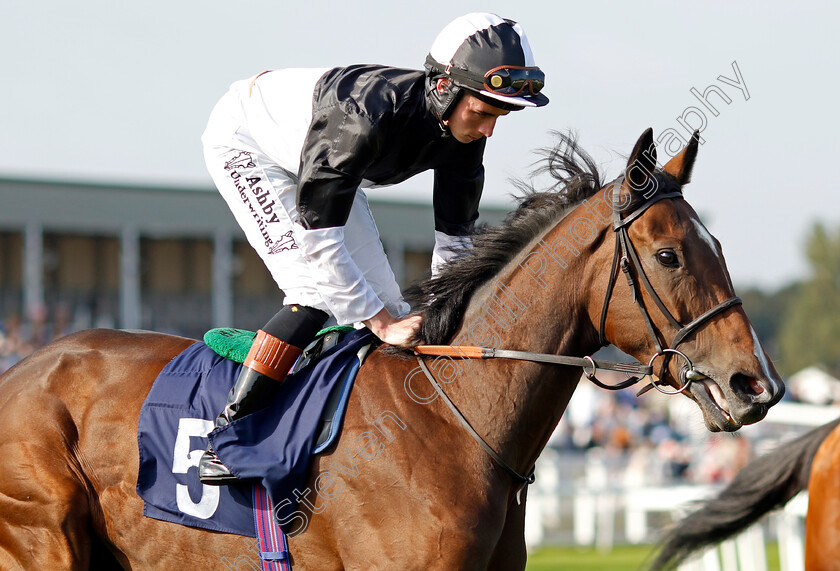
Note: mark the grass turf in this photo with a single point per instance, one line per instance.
(621, 558)
(585, 559)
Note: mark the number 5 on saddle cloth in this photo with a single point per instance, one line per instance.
(272, 447)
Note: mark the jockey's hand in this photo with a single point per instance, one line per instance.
(400, 332)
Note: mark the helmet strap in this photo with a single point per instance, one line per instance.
(455, 93)
(442, 95)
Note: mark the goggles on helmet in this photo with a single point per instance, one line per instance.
(505, 80)
(513, 80)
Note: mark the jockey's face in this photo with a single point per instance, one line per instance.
(473, 119)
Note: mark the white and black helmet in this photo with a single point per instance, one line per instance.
(488, 55)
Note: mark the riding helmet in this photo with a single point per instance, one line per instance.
(488, 56)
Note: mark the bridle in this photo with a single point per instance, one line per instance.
(626, 258)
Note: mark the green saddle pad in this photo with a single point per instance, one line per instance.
(234, 344)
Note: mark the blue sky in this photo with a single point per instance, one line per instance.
(120, 92)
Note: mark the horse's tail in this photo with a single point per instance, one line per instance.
(764, 484)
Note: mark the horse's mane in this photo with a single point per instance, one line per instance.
(443, 299)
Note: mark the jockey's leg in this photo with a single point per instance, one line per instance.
(275, 349)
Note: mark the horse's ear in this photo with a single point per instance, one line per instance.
(680, 166)
(642, 162)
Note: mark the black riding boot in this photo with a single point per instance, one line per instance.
(267, 363)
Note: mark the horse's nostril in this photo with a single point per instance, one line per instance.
(742, 384)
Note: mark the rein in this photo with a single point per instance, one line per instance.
(625, 257)
(472, 352)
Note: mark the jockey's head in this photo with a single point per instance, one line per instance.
(486, 56)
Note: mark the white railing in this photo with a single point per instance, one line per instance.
(746, 552)
(603, 513)
(597, 511)
(595, 514)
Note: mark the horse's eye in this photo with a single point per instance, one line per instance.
(668, 258)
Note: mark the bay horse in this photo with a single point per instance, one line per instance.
(810, 462)
(406, 486)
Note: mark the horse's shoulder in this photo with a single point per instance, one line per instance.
(391, 384)
(386, 365)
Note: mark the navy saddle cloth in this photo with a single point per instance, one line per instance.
(272, 446)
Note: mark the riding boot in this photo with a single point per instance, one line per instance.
(267, 364)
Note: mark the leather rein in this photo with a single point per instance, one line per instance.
(626, 258)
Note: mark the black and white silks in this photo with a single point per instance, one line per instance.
(290, 149)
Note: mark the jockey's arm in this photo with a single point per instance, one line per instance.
(345, 290)
(330, 177)
(457, 192)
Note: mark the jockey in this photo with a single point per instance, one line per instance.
(290, 151)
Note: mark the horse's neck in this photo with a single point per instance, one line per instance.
(535, 304)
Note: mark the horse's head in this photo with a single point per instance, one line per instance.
(686, 319)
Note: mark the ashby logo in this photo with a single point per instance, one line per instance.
(263, 213)
(286, 242)
(262, 197)
(241, 161)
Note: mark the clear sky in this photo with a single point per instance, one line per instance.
(119, 92)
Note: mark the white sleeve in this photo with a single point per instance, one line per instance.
(339, 280)
(447, 248)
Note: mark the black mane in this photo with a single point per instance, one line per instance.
(443, 299)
